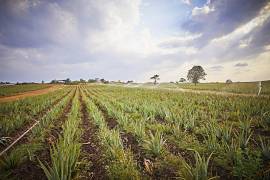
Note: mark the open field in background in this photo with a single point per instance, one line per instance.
(9, 90)
(236, 87)
(104, 131)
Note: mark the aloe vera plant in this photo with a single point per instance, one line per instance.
(198, 171)
(155, 143)
(265, 147)
(65, 154)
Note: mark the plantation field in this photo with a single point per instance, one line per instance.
(237, 87)
(15, 89)
(114, 132)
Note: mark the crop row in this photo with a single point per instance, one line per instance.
(25, 152)
(108, 132)
(238, 139)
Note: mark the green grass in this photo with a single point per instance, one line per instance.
(15, 89)
(237, 87)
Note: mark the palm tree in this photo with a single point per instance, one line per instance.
(155, 77)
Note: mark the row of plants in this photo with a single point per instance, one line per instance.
(34, 141)
(16, 114)
(120, 161)
(237, 148)
(64, 154)
(158, 161)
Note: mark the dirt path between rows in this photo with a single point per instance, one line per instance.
(29, 94)
(91, 149)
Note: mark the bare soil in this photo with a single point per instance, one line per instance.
(91, 149)
(111, 122)
(29, 94)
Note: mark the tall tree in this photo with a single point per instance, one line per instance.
(195, 74)
(155, 77)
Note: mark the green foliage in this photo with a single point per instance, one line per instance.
(155, 144)
(180, 117)
(195, 74)
(227, 133)
(123, 166)
(65, 154)
(17, 156)
(64, 159)
(246, 164)
(198, 171)
(132, 125)
(245, 134)
(15, 114)
(265, 148)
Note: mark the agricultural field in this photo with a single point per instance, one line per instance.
(236, 87)
(16, 89)
(113, 132)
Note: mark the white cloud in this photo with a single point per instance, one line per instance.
(267, 47)
(108, 39)
(206, 9)
(121, 31)
(188, 2)
(245, 42)
(180, 40)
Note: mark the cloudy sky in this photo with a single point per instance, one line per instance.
(134, 39)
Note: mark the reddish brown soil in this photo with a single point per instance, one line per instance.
(91, 149)
(31, 169)
(29, 93)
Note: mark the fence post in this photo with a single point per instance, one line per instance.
(260, 87)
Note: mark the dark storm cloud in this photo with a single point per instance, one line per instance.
(22, 25)
(262, 37)
(241, 65)
(227, 16)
